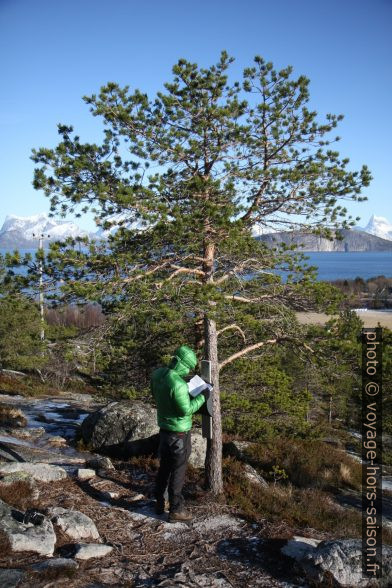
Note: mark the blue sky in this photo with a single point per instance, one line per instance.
(54, 52)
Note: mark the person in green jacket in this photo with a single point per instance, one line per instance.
(175, 408)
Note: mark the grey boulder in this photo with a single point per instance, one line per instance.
(129, 428)
(298, 547)
(90, 550)
(58, 564)
(10, 578)
(84, 474)
(253, 476)
(341, 560)
(41, 472)
(122, 429)
(74, 524)
(238, 449)
(199, 448)
(100, 462)
(16, 536)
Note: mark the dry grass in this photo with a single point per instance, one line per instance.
(308, 463)
(11, 416)
(346, 473)
(25, 386)
(31, 385)
(300, 508)
(19, 494)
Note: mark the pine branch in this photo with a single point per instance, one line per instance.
(248, 349)
(262, 344)
(236, 327)
(249, 300)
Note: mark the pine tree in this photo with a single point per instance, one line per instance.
(21, 347)
(191, 173)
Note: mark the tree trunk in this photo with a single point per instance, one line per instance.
(213, 465)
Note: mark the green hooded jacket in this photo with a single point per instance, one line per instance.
(174, 405)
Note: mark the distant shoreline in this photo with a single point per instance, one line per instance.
(331, 266)
(370, 318)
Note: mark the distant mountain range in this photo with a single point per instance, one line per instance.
(353, 240)
(375, 236)
(22, 232)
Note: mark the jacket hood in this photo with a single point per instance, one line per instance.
(183, 361)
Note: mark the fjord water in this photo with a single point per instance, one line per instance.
(334, 265)
(340, 265)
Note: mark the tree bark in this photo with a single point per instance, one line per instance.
(213, 464)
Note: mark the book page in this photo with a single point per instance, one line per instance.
(196, 385)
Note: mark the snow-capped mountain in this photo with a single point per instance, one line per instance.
(378, 226)
(23, 231)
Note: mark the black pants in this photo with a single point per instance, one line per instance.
(174, 452)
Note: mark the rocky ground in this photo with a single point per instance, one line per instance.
(216, 549)
(71, 518)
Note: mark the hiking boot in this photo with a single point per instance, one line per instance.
(180, 516)
(161, 505)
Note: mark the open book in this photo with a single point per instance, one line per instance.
(196, 385)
